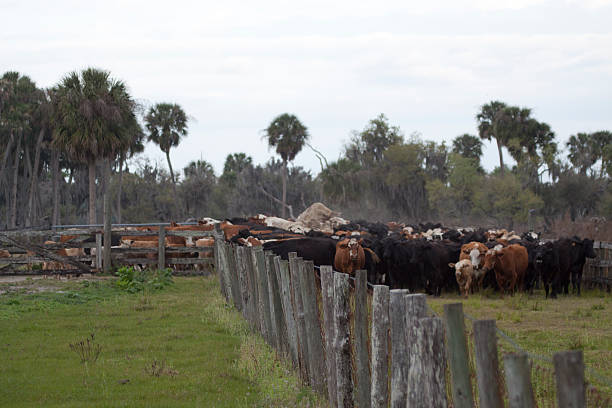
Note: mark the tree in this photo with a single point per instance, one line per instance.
(601, 143)
(288, 135)
(581, 153)
(93, 118)
(234, 164)
(196, 187)
(468, 146)
(368, 146)
(167, 124)
(489, 126)
(436, 156)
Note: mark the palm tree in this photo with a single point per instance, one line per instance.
(92, 117)
(488, 124)
(167, 124)
(288, 135)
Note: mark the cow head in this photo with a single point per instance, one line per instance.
(587, 245)
(475, 258)
(490, 259)
(353, 247)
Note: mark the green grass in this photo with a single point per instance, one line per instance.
(545, 326)
(181, 346)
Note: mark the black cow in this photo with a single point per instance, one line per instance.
(399, 271)
(546, 264)
(435, 258)
(581, 249)
(319, 250)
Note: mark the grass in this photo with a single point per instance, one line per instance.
(544, 326)
(181, 346)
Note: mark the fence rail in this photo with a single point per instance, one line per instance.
(29, 255)
(409, 359)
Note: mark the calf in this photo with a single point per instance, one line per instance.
(463, 273)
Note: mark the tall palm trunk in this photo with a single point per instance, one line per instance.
(30, 216)
(13, 221)
(119, 188)
(92, 191)
(107, 216)
(170, 167)
(284, 209)
(55, 170)
(501, 157)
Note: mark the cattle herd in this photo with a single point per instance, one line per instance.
(424, 257)
(428, 257)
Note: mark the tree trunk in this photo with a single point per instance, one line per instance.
(170, 167)
(284, 208)
(55, 174)
(5, 158)
(501, 158)
(30, 216)
(92, 191)
(13, 221)
(119, 191)
(107, 216)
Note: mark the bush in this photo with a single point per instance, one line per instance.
(133, 281)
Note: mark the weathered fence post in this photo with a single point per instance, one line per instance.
(518, 381)
(264, 298)
(294, 270)
(313, 326)
(161, 248)
(458, 357)
(233, 277)
(569, 373)
(99, 252)
(399, 349)
(269, 276)
(487, 366)
(290, 322)
(415, 308)
(380, 347)
(426, 379)
(362, 358)
(252, 269)
(278, 306)
(243, 281)
(344, 369)
(327, 296)
(219, 242)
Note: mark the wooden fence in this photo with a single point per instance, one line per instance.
(404, 358)
(597, 270)
(28, 253)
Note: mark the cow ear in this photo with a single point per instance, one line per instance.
(451, 265)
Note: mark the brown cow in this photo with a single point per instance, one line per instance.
(4, 253)
(463, 273)
(509, 264)
(349, 256)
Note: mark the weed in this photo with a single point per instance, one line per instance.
(133, 281)
(159, 368)
(88, 350)
(598, 307)
(575, 344)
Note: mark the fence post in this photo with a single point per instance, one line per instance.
(380, 347)
(288, 312)
(264, 298)
(161, 248)
(487, 366)
(243, 281)
(327, 296)
(269, 276)
(252, 265)
(415, 308)
(569, 373)
(362, 358)
(518, 381)
(278, 306)
(344, 369)
(299, 315)
(458, 357)
(99, 252)
(233, 277)
(313, 326)
(426, 378)
(399, 350)
(219, 241)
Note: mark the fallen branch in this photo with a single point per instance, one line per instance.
(290, 208)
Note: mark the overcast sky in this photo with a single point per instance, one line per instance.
(233, 66)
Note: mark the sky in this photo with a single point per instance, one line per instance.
(235, 65)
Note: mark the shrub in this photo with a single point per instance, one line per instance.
(133, 281)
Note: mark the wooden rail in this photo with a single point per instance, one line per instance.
(27, 257)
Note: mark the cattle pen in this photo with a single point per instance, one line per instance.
(390, 349)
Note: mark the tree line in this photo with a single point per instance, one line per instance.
(65, 146)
